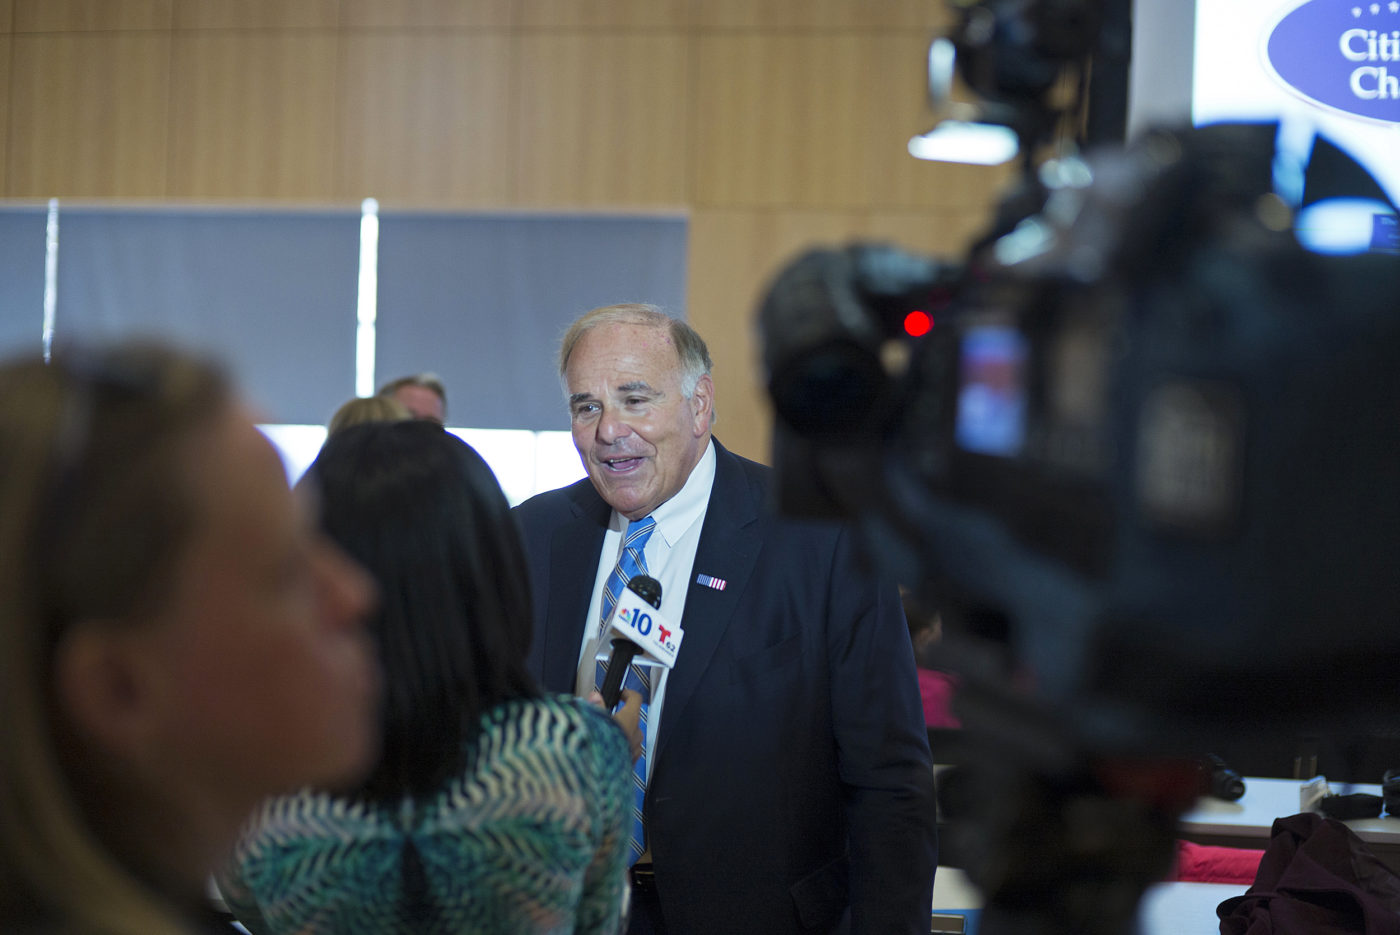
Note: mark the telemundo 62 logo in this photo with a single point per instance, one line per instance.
(1341, 54)
(644, 625)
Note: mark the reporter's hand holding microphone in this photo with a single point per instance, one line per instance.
(641, 637)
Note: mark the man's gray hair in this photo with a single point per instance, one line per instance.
(428, 381)
(690, 347)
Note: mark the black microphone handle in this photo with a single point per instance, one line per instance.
(623, 652)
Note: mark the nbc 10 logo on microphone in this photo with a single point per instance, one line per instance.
(645, 625)
(1341, 54)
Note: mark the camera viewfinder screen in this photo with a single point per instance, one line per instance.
(992, 392)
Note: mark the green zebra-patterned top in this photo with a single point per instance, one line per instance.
(532, 838)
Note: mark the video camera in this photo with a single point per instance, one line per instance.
(1146, 461)
(1149, 429)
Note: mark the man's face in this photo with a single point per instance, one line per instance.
(638, 436)
(422, 402)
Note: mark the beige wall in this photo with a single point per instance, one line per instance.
(774, 123)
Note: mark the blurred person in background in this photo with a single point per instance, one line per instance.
(935, 686)
(364, 409)
(177, 642)
(423, 394)
(494, 809)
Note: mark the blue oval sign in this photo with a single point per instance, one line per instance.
(1342, 54)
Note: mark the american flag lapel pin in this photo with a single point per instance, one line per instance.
(710, 581)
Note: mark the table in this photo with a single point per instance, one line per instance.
(1166, 908)
(1184, 908)
(1249, 821)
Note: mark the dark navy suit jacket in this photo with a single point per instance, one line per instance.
(792, 788)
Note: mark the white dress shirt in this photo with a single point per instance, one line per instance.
(670, 555)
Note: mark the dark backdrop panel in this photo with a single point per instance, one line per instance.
(483, 301)
(22, 233)
(271, 294)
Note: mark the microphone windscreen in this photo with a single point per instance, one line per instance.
(647, 588)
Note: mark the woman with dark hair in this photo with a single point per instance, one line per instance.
(177, 642)
(493, 808)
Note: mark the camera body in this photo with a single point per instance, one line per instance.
(1146, 464)
(1151, 435)
(1222, 782)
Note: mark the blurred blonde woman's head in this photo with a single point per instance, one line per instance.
(175, 640)
(364, 409)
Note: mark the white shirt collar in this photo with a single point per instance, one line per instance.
(680, 512)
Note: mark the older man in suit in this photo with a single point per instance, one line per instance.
(786, 785)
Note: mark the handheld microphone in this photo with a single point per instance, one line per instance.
(640, 630)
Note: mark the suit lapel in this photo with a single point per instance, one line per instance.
(729, 545)
(573, 564)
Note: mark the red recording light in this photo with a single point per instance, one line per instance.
(917, 324)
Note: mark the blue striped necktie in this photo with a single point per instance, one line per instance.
(631, 563)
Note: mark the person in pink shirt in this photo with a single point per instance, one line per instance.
(935, 687)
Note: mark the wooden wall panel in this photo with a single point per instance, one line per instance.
(257, 14)
(395, 86)
(780, 120)
(780, 124)
(944, 186)
(602, 120)
(723, 270)
(5, 55)
(946, 235)
(88, 115)
(82, 15)
(900, 71)
(819, 14)
(618, 14)
(357, 14)
(734, 256)
(253, 116)
(898, 180)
